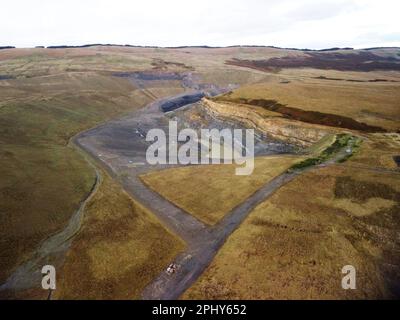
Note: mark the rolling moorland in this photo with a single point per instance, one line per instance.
(324, 194)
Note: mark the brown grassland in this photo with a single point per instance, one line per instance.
(295, 244)
(209, 192)
(358, 101)
(291, 246)
(119, 250)
(47, 97)
(50, 100)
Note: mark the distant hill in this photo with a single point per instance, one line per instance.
(199, 47)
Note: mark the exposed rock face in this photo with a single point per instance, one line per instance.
(271, 123)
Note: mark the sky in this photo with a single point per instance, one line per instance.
(313, 24)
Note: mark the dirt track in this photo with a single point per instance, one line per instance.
(120, 147)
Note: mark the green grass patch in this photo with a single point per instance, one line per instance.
(341, 141)
(356, 147)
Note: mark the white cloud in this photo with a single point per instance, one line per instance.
(287, 23)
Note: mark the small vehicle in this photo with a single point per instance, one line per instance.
(172, 269)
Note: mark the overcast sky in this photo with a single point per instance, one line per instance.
(286, 23)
